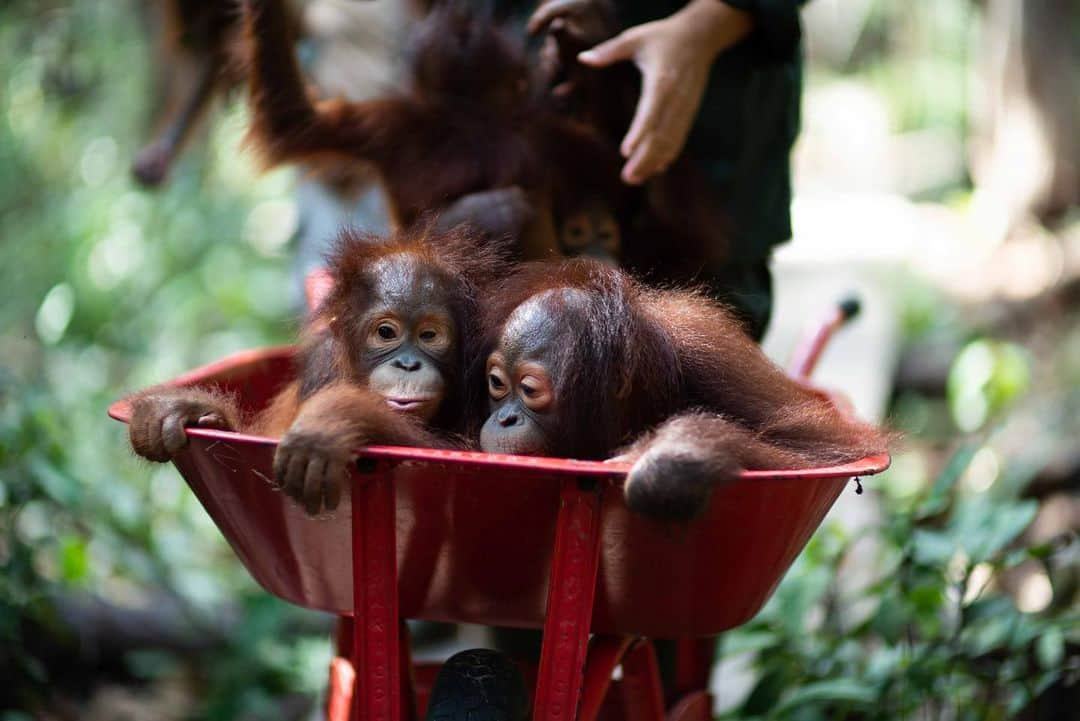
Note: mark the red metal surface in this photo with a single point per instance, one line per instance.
(643, 697)
(571, 590)
(693, 664)
(605, 654)
(424, 675)
(696, 706)
(376, 622)
(473, 530)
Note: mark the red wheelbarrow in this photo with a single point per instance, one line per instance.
(534, 543)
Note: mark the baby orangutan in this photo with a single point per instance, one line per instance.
(584, 360)
(380, 361)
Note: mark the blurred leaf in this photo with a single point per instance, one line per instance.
(74, 563)
(844, 692)
(1041, 551)
(933, 547)
(1050, 648)
(739, 642)
(765, 694)
(890, 620)
(793, 603)
(884, 663)
(926, 599)
(985, 377)
(982, 528)
(983, 608)
(61, 487)
(992, 634)
(942, 489)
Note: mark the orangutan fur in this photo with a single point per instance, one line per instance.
(664, 379)
(340, 399)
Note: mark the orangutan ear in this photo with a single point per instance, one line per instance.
(317, 322)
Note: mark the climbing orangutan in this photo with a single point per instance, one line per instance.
(194, 42)
(472, 121)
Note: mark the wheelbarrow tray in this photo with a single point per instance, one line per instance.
(474, 531)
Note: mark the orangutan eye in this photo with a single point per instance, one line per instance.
(436, 336)
(385, 333)
(497, 387)
(535, 390)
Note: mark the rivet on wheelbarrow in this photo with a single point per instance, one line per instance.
(858, 486)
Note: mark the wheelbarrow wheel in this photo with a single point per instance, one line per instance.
(478, 685)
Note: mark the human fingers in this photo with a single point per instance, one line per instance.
(646, 114)
(657, 150)
(666, 129)
(621, 47)
(643, 162)
(660, 141)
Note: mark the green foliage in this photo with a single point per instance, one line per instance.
(931, 635)
(985, 377)
(108, 289)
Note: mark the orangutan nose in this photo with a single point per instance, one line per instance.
(407, 363)
(508, 417)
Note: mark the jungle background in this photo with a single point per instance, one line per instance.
(941, 151)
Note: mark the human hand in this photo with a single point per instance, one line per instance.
(674, 55)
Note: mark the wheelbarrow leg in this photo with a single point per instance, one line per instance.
(376, 651)
(693, 665)
(571, 590)
(605, 654)
(342, 684)
(690, 699)
(643, 694)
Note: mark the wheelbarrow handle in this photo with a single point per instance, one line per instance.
(813, 343)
